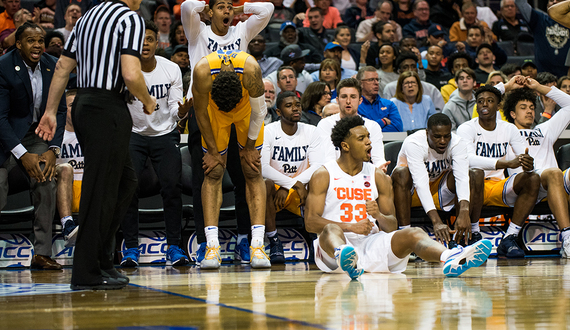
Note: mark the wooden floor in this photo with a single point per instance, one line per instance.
(532, 293)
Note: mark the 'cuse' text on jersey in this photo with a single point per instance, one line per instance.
(353, 194)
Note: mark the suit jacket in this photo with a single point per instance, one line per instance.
(17, 101)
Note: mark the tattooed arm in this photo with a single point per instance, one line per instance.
(253, 83)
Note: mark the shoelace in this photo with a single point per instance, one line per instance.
(214, 254)
(260, 250)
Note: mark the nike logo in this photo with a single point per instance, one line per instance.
(478, 134)
(277, 137)
(337, 178)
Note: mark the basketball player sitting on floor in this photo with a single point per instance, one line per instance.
(350, 206)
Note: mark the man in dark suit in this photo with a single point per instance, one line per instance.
(25, 76)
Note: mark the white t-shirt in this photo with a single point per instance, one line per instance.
(426, 165)
(327, 151)
(164, 83)
(71, 153)
(485, 148)
(286, 159)
(540, 139)
(202, 41)
(347, 195)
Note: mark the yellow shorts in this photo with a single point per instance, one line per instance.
(500, 192)
(76, 196)
(441, 195)
(292, 201)
(221, 123)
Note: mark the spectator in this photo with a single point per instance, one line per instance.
(54, 43)
(509, 27)
(163, 21)
(496, 77)
(415, 108)
(445, 12)
(331, 15)
(72, 14)
(330, 74)
(475, 37)
(459, 30)
(511, 70)
(176, 37)
(47, 13)
(485, 60)
(330, 109)
(317, 95)
(529, 69)
(270, 95)
(408, 61)
(256, 48)
(8, 36)
(180, 57)
(551, 44)
(419, 26)
(287, 80)
(364, 32)
(294, 57)
(62, 6)
(435, 74)
(455, 62)
(438, 37)
(6, 18)
(564, 84)
(356, 14)
(315, 34)
(459, 109)
(373, 107)
(350, 58)
(286, 176)
(281, 13)
(289, 36)
(384, 33)
(387, 71)
(402, 12)
(333, 51)
(545, 107)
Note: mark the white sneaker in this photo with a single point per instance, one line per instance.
(259, 258)
(467, 257)
(565, 250)
(212, 259)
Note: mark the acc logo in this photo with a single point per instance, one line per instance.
(62, 254)
(294, 245)
(152, 245)
(541, 236)
(16, 250)
(227, 245)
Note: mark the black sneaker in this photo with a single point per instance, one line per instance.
(452, 244)
(509, 248)
(114, 274)
(69, 233)
(475, 237)
(276, 254)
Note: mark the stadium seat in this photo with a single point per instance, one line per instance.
(391, 151)
(525, 48)
(508, 46)
(563, 157)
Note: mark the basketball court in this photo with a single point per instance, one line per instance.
(530, 293)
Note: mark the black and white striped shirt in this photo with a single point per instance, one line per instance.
(99, 39)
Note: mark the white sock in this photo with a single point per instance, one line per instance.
(66, 219)
(271, 233)
(564, 234)
(240, 237)
(513, 230)
(212, 236)
(475, 227)
(445, 255)
(257, 234)
(404, 227)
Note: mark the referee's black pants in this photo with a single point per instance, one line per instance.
(103, 125)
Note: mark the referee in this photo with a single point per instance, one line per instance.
(105, 46)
